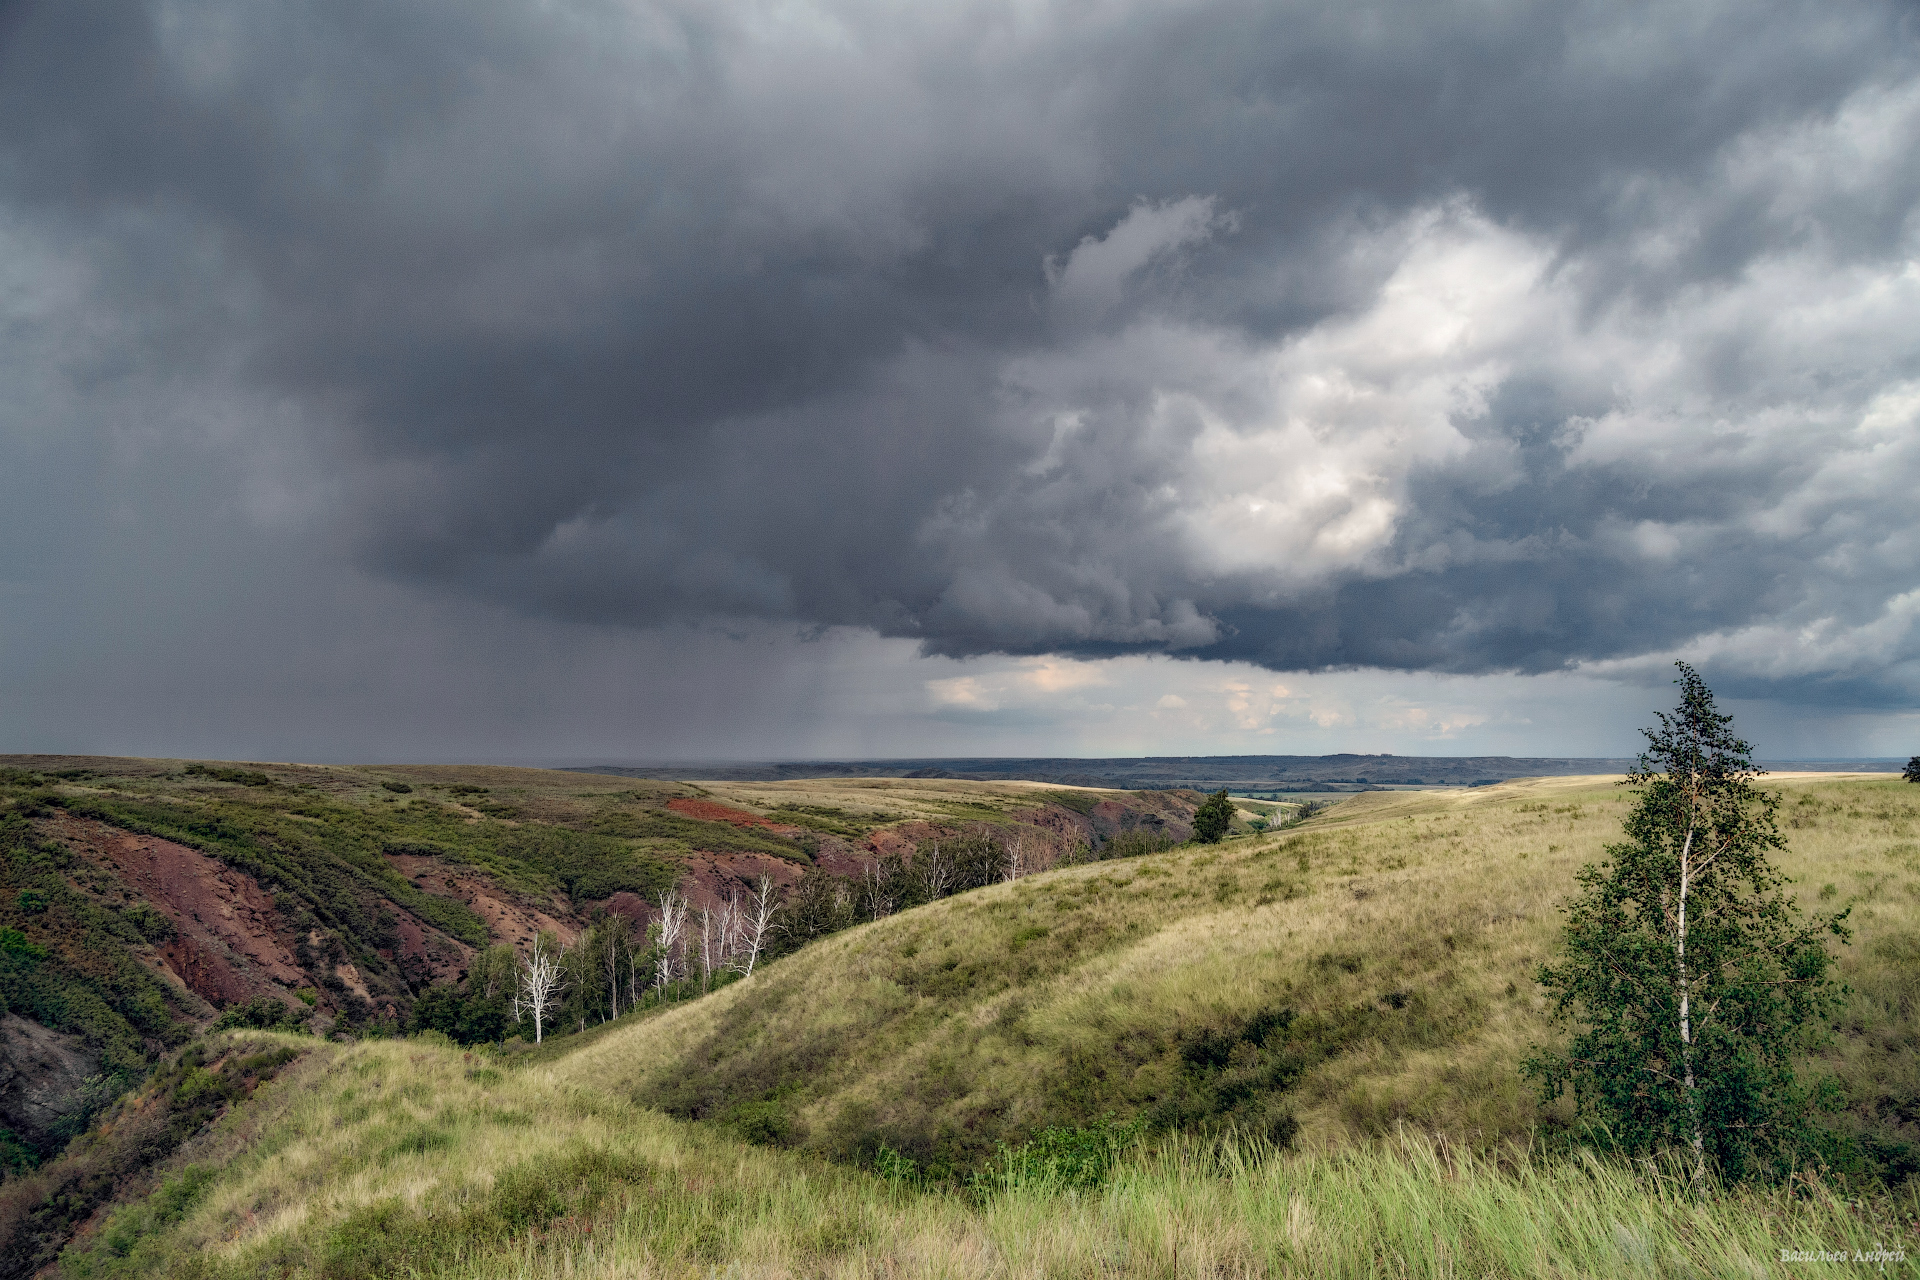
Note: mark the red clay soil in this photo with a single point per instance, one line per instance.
(225, 947)
(711, 878)
(229, 943)
(508, 918)
(708, 811)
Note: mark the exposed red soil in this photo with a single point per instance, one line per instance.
(711, 878)
(225, 947)
(709, 811)
(508, 918)
(230, 944)
(430, 951)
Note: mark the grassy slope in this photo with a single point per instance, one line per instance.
(390, 1158)
(1401, 931)
(384, 1156)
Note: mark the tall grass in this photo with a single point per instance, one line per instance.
(413, 1159)
(1401, 930)
(1369, 971)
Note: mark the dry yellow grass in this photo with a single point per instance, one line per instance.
(1448, 897)
(413, 1159)
(416, 1158)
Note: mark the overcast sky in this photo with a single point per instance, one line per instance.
(464, 380)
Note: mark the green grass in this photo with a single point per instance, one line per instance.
(412, 1158)
(679, 834)
(1384, 953)
(1360, 985)
(65, 962)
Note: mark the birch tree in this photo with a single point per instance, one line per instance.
(673, 924)
(729, 930)
(1686, 974)
(706, 948)
(541, 982)
(754, 922)
(611, 945)
(936, 871)
(875, 897)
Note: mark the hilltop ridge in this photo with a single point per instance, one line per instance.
(1304, 774)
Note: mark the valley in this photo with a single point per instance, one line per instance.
(1291, 1052)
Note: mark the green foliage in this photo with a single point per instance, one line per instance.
(182, 1097)
(398, 788)
(1912, 772)
(64, 961)
(589, 867)
(681, 834)
(17, 1155)
(151, 924)
(239, 777)
(1081, 802)
(1130, 844)
(116, 1248)
(1059, 1158)
(827, 818)
(1211, 819)
(17, 945)
(1686, 973)
(479, 1010)
(819, 904)
(262, 1013)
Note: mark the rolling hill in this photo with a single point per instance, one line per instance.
(145, 899)
(1356, 989)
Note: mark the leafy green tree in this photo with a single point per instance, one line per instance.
(1211, 819)
(1686, 972)
(1912, 772)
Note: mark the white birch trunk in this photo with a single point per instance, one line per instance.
(541, 982)
(754, 927)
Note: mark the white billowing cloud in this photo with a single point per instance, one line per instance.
(1751, 416)
(1313, 481)
(1094, 275)
(1887, 644)
(1434, 724)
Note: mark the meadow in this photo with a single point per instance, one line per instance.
(1302, 1047)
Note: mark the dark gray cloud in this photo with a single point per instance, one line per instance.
(1452, 338)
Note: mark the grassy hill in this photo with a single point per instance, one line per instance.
(1357, 988)
(143, 899)
(1368, 970)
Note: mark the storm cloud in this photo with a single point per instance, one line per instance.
(1448, 338)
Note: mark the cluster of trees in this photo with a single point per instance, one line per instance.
(610, 969)
(823, 903)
